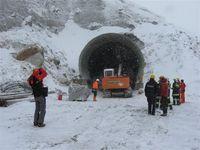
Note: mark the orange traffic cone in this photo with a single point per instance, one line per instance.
(60, 95)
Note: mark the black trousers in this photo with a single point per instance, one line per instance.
(151, 105)
(176, 99)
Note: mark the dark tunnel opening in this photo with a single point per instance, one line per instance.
(109, 51)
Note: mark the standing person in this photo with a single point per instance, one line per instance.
(169, 101)
(95, 87)
(150, 93)
(179, 83)
(39, 92)
(182, 91)
(175, 92)
(158, 97)
(164, 95)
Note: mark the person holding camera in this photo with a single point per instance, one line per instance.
(39, 92)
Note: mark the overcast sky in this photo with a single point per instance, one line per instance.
(182, 13)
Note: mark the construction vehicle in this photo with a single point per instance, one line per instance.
(116, 85)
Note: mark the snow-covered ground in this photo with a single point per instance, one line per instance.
(106, 124)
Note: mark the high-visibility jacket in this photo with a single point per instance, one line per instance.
(95, 85)
(176, 89)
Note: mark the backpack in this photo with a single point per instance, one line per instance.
(32, 81)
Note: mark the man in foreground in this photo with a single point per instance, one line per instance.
(39, 92)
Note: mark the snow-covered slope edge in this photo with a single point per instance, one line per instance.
(15, 40)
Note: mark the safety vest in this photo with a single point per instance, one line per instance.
(95, 85)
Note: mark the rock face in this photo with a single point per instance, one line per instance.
(33, 54)
(90, 14)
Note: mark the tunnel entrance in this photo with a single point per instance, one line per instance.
(110, 51)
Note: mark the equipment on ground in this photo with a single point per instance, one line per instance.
(78, 91)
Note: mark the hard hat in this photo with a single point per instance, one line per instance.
(97, 80)
(152, 76)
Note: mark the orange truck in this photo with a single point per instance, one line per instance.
(115, 85)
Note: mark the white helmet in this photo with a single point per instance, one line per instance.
(97, 80)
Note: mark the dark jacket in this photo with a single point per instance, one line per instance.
(151, 88)
(175, 88)
(36, 81)
(36, 85)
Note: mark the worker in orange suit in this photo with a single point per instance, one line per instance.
(182, 91)
(95, 87)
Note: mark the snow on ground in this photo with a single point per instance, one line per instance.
(106, 124)
(112, 123)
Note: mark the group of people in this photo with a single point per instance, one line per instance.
(158, 94)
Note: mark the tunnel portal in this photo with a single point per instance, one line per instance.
(109, 51)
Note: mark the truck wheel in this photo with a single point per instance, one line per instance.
(107, 94)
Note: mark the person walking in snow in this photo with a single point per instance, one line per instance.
(182, 91)
(175, 92)
(95, 87)
(150, 93)
(164, 95)
(39, 92)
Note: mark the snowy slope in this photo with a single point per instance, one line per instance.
(108, 123)
(165, 46)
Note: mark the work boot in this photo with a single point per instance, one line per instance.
(170, 107)
(41, 125)
(35, 123)
(163, 115)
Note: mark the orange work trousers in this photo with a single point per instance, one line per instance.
(182, 97)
